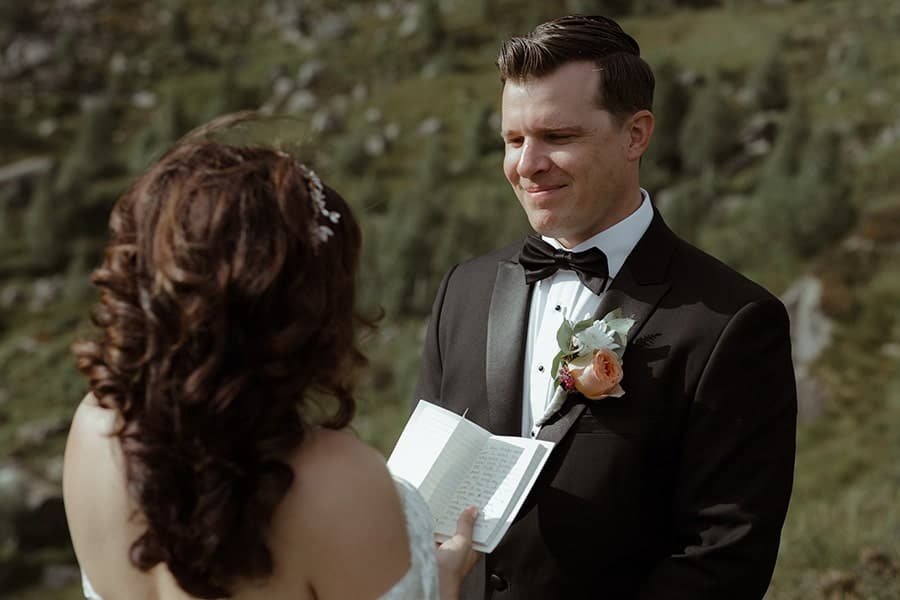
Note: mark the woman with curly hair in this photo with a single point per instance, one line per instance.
(209, 459)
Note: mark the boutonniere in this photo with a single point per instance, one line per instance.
(589, 359)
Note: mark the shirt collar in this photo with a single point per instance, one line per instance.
(617, 241)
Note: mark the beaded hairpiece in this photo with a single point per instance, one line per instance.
(320, 233)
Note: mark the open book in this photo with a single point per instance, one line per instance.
(454, 464)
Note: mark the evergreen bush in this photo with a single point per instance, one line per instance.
(91, 153)
(480, 137)
(431, 24)
(768, 82)
(670, 104)
(820, 209)
(168, 123)
(709, 133)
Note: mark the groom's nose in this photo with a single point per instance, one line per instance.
(532, 159)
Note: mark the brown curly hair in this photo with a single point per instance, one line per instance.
(222, 315)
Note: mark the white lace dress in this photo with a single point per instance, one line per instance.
(421, 581)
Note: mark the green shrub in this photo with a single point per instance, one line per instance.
(708, 135)
(768, 83)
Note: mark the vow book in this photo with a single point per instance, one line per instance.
(454, 464)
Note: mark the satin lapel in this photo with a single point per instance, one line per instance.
(507, 327)
(636, 290)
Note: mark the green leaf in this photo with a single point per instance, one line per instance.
(615, 313)
(554, 370)
(582, 325)
(564, 335)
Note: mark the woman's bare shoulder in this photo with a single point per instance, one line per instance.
(344, 514)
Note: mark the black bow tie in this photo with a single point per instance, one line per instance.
(541, 260)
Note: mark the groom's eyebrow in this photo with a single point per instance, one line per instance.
(573, 129)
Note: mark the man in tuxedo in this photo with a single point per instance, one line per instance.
(678, 489)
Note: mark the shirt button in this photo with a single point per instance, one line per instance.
(498, 583)
(557, 308)
(541, 368)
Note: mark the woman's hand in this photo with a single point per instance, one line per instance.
(455, 557)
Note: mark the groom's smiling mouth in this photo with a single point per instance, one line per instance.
(539, 191)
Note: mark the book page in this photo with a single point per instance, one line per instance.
(455, 464)
(435, 451)
(420, 444)
(490, 485)
(541, 453)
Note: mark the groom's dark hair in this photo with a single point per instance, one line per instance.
(626, 80)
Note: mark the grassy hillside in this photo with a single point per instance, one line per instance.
(777, 149)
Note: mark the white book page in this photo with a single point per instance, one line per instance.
(502, 470)
(466, 444)
(435, 451)
(540, 455)
(421, 442)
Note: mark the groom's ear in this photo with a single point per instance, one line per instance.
(640, 130)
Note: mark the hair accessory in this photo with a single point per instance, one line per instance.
(320, 232)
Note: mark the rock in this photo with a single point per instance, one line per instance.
(811, 333)
(375, 145)
(144, 100)
(22, 54)
(310, 72)
(323, 121)
(53, 470)
(118, 64)
(429, 126)
(45, 291)
(811, 397)
(282, 86)
(410, 23)
(810, 328)
(391, 131)
(385, 11)
(301, 101)
(360, 92)
(13, 491)
(29, 344)
(891, 350)
(47, 127)
(331, 26)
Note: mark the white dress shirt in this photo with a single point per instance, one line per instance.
(562, 295)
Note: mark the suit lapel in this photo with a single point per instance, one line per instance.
(637, 289)
(506, 330)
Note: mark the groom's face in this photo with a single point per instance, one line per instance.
(566, 158)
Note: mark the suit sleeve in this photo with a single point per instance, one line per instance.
(736, 469)
(431, 369)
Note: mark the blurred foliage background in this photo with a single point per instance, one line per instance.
(776, 150)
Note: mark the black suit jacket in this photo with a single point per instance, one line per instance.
(679, 488)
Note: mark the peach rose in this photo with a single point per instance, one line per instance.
(598, 376)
